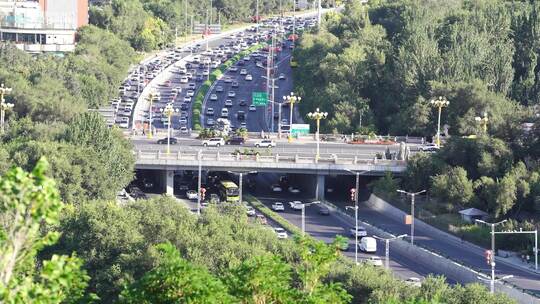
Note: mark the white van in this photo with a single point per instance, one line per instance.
(368, 244)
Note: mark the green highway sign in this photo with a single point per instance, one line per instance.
(259, 99)
(299, 129)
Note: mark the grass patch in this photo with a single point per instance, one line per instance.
(272, 215)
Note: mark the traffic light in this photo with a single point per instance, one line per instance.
(489, 257)
(353, 195)
(203, 191)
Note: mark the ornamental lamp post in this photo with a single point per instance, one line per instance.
(439, 103)
(291, 99)
(151, 100)
(169, 111)
(4, 105)
(483, 121)
(317, 116)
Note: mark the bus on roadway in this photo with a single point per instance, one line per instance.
(228, 191)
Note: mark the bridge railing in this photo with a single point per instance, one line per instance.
(274, 158)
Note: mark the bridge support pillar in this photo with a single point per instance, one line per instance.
(169, 182)
(319, 188)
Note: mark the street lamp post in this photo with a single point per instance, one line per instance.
(492, 283)
(4, 105)
(355, 208)
(199, 158)
(169, 111)
(387, 247)
(483, 121)
(412, 195)
(151, 116)
(304, 215)
(292, 99)
(440, 103)
(317, 116)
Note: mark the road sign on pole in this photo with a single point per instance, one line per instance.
(259, 99)
(299, 129)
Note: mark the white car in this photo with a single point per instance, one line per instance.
(184, 79)
(243, 72)
(210, 111)
(187, 99)
(429, 148)
(190, 93)
(213, 142)
(281, 233)
(375, 261)
(228, 103)
(249, 77)
(210, 122)
(231, 94)
(252, 108)
(361, 232)
(276, 188)
(265, 143)
(293, 190)
(278, 206)
(296, 205)
(250, 211)
(191, 194)
(414, 281)
(213, 97)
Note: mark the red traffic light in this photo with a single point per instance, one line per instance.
(203, 190)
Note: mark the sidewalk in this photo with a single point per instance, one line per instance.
(514, 259)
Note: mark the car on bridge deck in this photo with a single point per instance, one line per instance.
(276, 188)
(163, 141)
(265, 143)
(293, 190)
(213, 142)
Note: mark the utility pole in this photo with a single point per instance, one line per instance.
(412, 195)
(199, 157)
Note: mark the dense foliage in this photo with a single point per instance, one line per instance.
(383, 62)
(152, 24)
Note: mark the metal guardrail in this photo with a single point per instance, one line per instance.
(275, 158)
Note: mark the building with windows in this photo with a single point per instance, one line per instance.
(42, 25)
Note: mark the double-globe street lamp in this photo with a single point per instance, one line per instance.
(317, 116)
(169, 110)
(291, 99)
(4, 105)
(151, 96)
(439, 103)
(412, 195)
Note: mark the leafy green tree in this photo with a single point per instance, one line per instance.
(262, 279)
(112, 150)
(386, 186)
(453, 187)
(175, 280)
(420, 168)
(27, 202)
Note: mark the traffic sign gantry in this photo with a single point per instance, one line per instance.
(259, 99)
